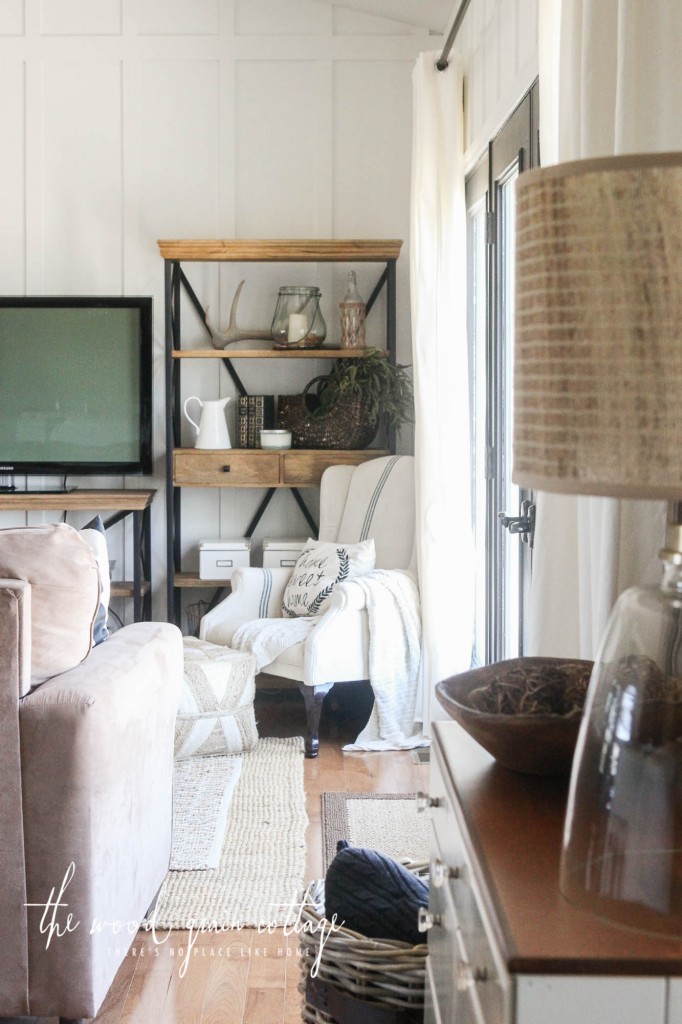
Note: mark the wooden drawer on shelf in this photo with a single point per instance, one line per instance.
(253, 467)
(305, 468)
(194, 467)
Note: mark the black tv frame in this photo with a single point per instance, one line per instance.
(140, 467)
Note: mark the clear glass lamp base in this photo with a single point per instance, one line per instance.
(622, 847)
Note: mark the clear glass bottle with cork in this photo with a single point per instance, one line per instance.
(353, 312)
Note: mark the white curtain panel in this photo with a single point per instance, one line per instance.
(441, 375)
(610, 83)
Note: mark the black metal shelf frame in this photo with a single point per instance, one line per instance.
(175, 282)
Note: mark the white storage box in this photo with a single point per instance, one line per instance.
(278, 554)
(219, 558)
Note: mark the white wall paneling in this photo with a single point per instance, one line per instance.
(178, 17)
(12, 195)
(497, 42)
(431, 14)
(353, 23)
(74, 18)
(81, 149)
(281, 18)
(126, 121)
(11, 17)
(277, 147)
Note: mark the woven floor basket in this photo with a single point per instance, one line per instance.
(359, 980)
(347, 426)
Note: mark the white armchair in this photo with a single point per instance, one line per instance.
(374, 500)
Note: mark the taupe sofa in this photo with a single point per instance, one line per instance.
(85, 777)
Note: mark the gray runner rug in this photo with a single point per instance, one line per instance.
(388, 822)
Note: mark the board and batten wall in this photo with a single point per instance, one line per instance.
(127, 121)
(498, 45)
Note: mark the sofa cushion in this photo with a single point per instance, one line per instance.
(319, 568)
(62, 572)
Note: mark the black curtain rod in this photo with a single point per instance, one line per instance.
(442, 61)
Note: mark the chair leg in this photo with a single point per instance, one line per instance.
(314, 698)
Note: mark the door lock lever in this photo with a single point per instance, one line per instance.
(523, 525)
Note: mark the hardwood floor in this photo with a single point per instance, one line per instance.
(250, 978)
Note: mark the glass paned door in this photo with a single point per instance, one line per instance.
(503, 559)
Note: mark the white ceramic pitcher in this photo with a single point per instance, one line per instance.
(211, 429)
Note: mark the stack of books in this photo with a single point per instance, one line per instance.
(255, 413)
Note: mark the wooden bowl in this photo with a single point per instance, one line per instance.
(526, 712)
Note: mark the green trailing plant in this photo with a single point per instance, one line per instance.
(384, 388)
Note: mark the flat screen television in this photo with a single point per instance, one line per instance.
(75, 385)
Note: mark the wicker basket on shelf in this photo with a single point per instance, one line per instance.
(358, 980)
(347, 426)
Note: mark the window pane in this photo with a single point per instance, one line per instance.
(478, 389)
(509, 493)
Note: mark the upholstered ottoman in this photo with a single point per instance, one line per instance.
(215, 714)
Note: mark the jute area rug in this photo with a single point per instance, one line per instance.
(262, 861)
(387, 822)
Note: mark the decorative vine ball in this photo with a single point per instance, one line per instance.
(531, 691)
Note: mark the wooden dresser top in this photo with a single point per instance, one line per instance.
(513, 825)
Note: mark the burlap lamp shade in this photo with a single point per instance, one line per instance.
(598, 361)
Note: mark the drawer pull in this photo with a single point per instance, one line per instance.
(426, 919)
(424, 801)
(466, 975)
(226, 469)
(440, 871)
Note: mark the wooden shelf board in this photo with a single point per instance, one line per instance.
(126, 588)
(274, 353)
(190, 579)
(264, 453)
(292, 250)
(79, 500)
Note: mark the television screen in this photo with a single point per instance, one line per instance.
(75, 385)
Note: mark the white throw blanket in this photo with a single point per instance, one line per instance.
(268, 638)
(392, 601)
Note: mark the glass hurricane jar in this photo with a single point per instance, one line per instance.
(298, 320)
(622, 848)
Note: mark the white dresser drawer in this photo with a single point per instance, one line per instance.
(444, 818)
(465, 956)
(449, 971)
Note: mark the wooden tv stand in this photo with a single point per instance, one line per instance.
(122, 504)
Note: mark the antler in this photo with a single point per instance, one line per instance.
(221, 339)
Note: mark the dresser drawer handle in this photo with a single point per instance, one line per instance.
(226, 469)
(440, 871)
(426, 919)
(467, 975)
(424, 801)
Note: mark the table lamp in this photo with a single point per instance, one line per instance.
(598, 410)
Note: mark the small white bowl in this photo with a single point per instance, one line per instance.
(275, 439)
